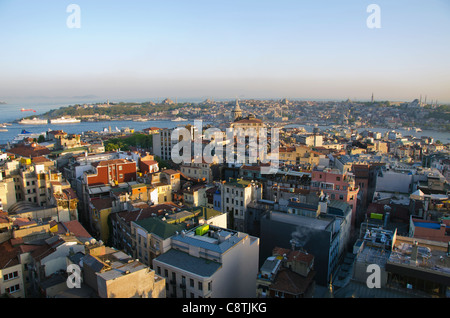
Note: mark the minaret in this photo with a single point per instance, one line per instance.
(372, 98)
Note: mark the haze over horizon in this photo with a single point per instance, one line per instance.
(224, 49)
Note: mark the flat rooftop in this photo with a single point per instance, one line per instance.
(216, 239)
(313, 223)
(195, 265)
(432, 256)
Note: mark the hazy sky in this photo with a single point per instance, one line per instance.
(225, 49)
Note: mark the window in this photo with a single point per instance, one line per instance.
(13, 289)
(341, 197)
(209, 285)
(200, 286)
(120, 168)
(10, 276)
(166, 273)
(191, 282)
(338, 178)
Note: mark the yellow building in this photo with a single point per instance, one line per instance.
(100, 208)
(299, 155)
(164, 192)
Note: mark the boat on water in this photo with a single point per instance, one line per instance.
(26, 134)
(3, 130)
(34, 121)
(179, 119)
(64, 120)
(27, 110)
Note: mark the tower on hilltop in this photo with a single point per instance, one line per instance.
(237, 112)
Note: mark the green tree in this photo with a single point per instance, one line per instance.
(41, 138)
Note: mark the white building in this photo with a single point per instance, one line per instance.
(237, 194)
(162, 144)
(210, 262)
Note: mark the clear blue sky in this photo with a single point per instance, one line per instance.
(225, 49)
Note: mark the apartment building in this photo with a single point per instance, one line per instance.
(236, 195)
(114, 274)
(201, 172)
(338, 186)
(162, 144)
(299, 155)
(122, 237)
(210, 262)
(151, 235)
(11, 271)
(195, 196)
(322, 229)
(287, 273)
(111, 172)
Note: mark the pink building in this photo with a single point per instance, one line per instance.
(339, 186)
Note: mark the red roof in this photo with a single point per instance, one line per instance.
(77, 229)
(147, 212)
(8, 255)
(29, 151)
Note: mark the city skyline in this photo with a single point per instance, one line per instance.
(248, 49)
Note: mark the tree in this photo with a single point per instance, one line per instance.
(41, 139)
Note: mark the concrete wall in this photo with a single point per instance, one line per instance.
(136, 284)
(237, 277)
(392, 181)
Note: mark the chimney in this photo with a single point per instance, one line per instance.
(414, 252)
(386, 219)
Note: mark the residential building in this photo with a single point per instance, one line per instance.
(200, 172)
(12, 280)
(210, 262)
(338, 186)
(236, 195)
(287, 274)
(121, 234)
(163, 144)
(111, 172)
(114, 274)
(309, 227)
(194, 196)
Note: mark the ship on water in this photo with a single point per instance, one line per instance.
(26, 134)
(34, 121)
(179, 119)
(64, 120)
(27, 110)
